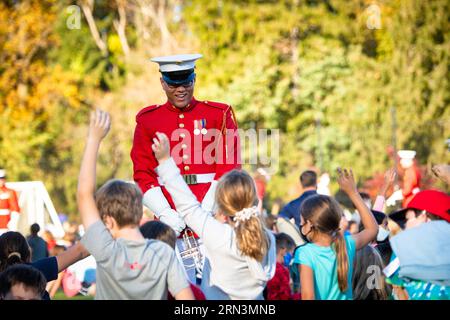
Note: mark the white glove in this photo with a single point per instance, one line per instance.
(209, 201)
(13, 221)
(172, 219)
(155, 200)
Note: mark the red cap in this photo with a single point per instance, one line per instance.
(432, 201)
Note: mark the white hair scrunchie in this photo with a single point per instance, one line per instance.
(245, 214)
(15, 253)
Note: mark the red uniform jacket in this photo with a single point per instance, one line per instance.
(411, 182)
(216, 150)
(8, 204)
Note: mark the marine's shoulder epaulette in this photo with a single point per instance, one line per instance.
(219, 105)
(147, 109)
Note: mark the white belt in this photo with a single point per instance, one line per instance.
(4, 212)
(199, 178)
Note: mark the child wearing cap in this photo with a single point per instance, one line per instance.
(381, 243)
(420, 266)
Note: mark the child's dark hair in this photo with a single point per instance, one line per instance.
(325, 214)
(159, 231)
(284, 241)
(308, 178)
(120, 200)
(34, 229)
(270, 221)
(365, 196)
(14, 249)
(350, 223)
(431, 216)
(366, 260)
(23, 274)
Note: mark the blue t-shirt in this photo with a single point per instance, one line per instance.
(323, 262)
(38, 248)
(292, 209)
(49, 268)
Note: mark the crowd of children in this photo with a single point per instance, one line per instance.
(244, 258)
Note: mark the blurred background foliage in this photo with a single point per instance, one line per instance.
(316, 70)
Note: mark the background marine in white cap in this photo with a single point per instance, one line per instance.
(9, 206)
(411, 179)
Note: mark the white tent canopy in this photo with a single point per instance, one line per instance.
(36, 207)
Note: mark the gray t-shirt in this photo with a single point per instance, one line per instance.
(133, 270)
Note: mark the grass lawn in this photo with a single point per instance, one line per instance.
(61, 296)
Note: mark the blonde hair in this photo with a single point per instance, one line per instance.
(325, 214)
(236, 191)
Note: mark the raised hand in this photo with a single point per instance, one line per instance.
(389, 179)
(161, 147)
(346, 181)
(347, 184)
(442, 171)
(99, 125)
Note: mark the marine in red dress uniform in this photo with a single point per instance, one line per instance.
(411, 176)
(203, 140)
(9, 206)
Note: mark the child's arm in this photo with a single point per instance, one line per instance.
(185, 201)
(307, 282)
(347, 184)
(99, 126)
(185, 294)
(75, 253)
(389, 178)
(56, 284)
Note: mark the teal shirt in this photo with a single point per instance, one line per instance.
(323, 262)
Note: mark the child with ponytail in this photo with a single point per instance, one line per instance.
(240, 251)
(326, 260)
(14, 249)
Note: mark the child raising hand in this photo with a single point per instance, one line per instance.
(240, 256)
(128, 265)
(326, 260)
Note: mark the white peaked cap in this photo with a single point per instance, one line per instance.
(406, 154)
(177, 62)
